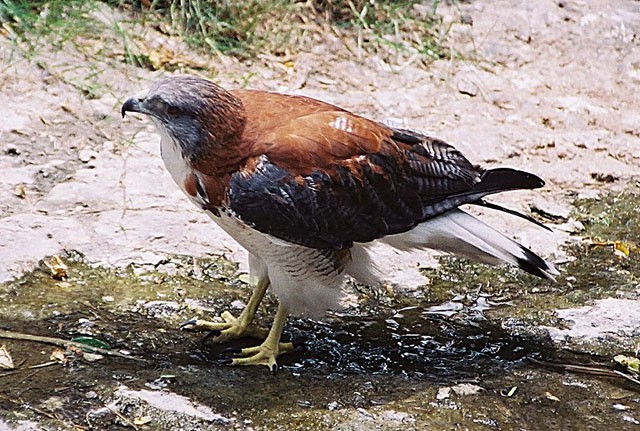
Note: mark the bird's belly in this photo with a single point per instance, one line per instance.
(307, 281)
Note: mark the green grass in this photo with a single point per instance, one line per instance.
(282, 26)
(65, 20)
(391, 29)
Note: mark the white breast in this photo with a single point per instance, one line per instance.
(172, 157)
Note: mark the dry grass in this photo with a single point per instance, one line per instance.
(280, 27)
(393, 30)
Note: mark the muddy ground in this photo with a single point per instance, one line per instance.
(550, 87)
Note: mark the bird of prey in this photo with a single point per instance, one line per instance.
(306, 187)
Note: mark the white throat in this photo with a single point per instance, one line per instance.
(172, 156)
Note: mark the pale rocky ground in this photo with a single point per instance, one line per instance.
(549, 87)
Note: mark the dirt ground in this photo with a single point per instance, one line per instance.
(551, 87)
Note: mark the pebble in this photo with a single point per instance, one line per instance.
(467, 87)
(86, 155)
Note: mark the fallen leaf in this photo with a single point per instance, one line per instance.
(632, 364)
(57, 267)
(92, 357)
(20, 191)
(6, 361)
(58, 355)
(511, 392)
(551, 397)
(92, 342)
(621, 249)
(245, 278)
(142, 420)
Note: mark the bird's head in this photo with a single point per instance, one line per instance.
(194, 112)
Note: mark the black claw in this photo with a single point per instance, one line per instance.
(224, 361)
(188, 322)
(274, 369)
(232, 350)
(210, 334)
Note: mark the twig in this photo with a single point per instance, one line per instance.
(627, 376)
(43, 365)
(64, 343)
(586, 369)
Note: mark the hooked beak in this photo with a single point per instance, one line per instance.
(135, 104)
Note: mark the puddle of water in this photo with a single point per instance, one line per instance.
(374, 366)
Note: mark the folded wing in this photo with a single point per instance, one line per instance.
(330, 179)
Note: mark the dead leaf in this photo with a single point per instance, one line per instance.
(57, 267)
(58, 355)
(6, 361)
(632, 364)
(621, 249)
(551, 397)
(20, 191)
(92, 357)
(142, 420)
(511, 392)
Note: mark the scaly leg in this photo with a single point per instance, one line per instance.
(233, 327)
(267, 352)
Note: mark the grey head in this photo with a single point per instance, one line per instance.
(196, 113)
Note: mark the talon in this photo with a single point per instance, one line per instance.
(210, 334)
(267, 352)
(264, 354)
(231, 327)
(190, 322)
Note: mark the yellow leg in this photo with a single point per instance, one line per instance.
(233, 327)
(267, 352)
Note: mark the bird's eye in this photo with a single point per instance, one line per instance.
(173, 111)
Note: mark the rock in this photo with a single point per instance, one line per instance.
(466, 18)
(443, 393)
(464, 389)
(171, 402)
(87, 155)
(11, 150)
(607, 321)
(467, 87)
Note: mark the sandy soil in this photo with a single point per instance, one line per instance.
(550, 87)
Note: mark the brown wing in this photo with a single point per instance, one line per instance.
(321, 177)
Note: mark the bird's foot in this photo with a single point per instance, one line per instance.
(231, 329)
(264, 354)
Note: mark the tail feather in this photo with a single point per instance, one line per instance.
(502, 179)
(460, 233)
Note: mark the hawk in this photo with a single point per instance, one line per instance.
(306, 186)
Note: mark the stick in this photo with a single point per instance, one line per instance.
(63, 343)
(585, 369)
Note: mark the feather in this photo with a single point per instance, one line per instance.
(460, 233)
